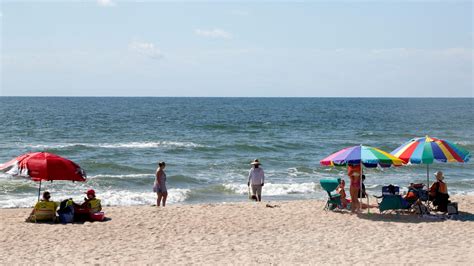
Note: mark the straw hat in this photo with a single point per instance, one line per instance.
(439, 175)
(255, 162)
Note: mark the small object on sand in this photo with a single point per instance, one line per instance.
(271, 206)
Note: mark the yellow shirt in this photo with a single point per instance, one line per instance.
(94, 205)
(45, 210)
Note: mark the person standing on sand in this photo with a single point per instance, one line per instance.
(160, 185)
(353, 171)
(256, 180)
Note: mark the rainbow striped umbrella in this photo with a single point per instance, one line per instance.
(370, 157)
(428, 150)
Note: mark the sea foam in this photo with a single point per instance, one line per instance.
(128, 145)
(270, 189)
(108, 198)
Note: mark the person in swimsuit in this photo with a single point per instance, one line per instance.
(353, 171)
(160, 185)
(341, 190)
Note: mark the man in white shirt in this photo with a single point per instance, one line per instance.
(256, 180)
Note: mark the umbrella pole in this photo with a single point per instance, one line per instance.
(39, 190)
(360, 184)
(428, 176)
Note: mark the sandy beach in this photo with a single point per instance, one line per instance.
(241, 233)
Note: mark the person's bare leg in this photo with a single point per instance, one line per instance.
(356, 205)
(165, 195)
(354, 199)
(158, 201)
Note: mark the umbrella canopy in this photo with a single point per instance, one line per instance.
(368, 156)
(428, 150)
(44, 166)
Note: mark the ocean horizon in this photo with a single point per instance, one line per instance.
(208, 143)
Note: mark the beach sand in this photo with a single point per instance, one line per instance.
(298, 232)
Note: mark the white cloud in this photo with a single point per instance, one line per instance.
(213, 33)
(106, 3)
(147, 49)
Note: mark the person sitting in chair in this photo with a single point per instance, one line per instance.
(439, 193)
(91, 205)
(44, 210)
(341, 190)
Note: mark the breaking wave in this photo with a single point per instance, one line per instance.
(126, 145)
(270, 189)
(108, 198)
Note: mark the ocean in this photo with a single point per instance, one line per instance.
(208, 143)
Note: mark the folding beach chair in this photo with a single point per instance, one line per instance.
(334, 199)
(44, 211)
(390, 190)
(392, 200)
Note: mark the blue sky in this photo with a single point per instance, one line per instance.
(305, 49)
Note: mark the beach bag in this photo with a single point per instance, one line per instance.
(67, 216)
(155, 187)
(66, 211)
(452, 208)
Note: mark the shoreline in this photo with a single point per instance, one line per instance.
(296, 231)
(243, 199)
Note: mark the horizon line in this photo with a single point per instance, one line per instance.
(296, 97)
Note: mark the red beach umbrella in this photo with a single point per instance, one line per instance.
(41, 166)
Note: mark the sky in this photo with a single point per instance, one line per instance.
(237, 49)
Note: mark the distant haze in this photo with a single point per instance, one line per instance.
(310, 49)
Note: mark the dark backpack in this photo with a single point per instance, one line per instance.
(66, 211)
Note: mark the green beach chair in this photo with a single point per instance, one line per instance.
(334, 200)
(391, 200)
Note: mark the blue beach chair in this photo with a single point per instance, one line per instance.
(334, 199)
